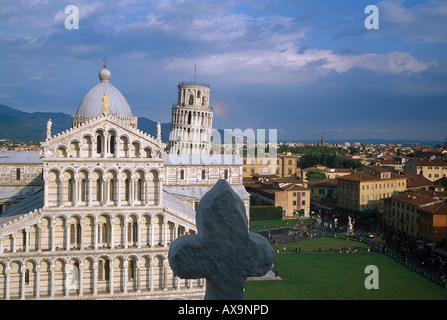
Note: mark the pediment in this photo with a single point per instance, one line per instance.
(116, 131)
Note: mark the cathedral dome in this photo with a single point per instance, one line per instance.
(91, 104)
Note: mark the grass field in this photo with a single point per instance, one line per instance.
(274, 224)
(322, 276)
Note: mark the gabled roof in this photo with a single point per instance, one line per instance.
(22, 157)
(329, 183)
(437, 208)
(178, 207)
(111, 120)
(415, 180)
(428, 162)
(23, 209)
(414, 198)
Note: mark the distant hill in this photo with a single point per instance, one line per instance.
(372, 141)
(20, 126)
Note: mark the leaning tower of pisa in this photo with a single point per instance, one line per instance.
(192, 120)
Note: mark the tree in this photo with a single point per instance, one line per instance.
(315, 175)
(258, 201)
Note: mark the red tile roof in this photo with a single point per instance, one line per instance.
(437, 208)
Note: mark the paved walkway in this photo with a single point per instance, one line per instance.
(270, 275)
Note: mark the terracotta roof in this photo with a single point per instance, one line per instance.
(415, 180)
(414, 198)
(291, 179)
(389, 161)
(323, 183)
(437, 208)
(380, 169)
(377, 168)
(360, 176)
(295, 188)
(428, 162)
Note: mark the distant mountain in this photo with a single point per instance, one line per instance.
(372, 141)
(20, 126)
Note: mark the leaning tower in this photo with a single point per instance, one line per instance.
(192, 120)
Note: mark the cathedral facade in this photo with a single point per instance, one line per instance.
(114, 199)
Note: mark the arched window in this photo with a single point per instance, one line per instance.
(70, 189)
(191, 100)
(83, 189)
(98, 189)
(189, 117)
(203, 174)
(76, 275)
(112, 190)
(105, 233)
(127, 190)
(78, 235)
(98, 144)
(107, 270)
(72, 234)
(112, 144)
(103, 270)
(131, 270)
(135, 232)
(182, 174)
(18, 174)
(27, 276)
(226, 174)
(132, 233)
(139, 189)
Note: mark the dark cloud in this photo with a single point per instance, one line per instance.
(303, 67)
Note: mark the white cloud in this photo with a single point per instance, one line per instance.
(290, 65)
(422, 22)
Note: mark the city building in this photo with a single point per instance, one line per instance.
(323, 194)
(112, 202)
(330, 173)
(284, 165)
(402, 211)
(362, 192)
(288, 193)
(433, 224)
(432, 169)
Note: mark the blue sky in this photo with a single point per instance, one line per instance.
(307, 68)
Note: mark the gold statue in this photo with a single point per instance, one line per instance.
(105, 104)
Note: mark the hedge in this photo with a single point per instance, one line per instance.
(265, 213)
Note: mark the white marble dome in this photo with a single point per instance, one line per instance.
(91, 104)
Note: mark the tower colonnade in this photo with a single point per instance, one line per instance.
(191, 120)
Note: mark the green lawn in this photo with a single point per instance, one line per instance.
(274, 224)
(325, 243)
(341, 276)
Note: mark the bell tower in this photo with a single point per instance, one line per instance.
(192, 120)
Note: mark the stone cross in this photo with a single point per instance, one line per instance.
(223, 251)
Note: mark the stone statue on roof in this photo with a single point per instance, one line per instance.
(49, 123)
(105, 103)
(158, 131)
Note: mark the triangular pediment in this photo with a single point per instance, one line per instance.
(112, 130)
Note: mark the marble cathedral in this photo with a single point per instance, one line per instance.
(113, 200)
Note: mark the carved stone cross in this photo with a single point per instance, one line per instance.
(223, 251)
